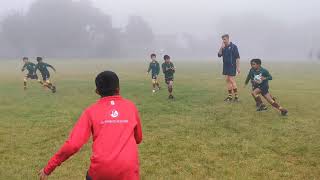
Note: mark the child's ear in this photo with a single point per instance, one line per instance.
(118, 91)
(97, 92)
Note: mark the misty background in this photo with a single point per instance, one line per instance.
(281, 30)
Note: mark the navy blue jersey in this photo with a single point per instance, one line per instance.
(43, 68)
(230, 55)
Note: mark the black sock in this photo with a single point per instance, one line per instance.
(230, 93)
(235, 91)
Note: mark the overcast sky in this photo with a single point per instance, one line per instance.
(192, 16)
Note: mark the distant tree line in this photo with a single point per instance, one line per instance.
(66, 28)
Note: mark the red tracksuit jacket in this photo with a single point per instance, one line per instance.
(116, 129)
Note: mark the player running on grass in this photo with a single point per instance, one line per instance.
(169, 70)
(154, 67)
(115, 126)
(259, 78)
(43, 68)
(30, 67)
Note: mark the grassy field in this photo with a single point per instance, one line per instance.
(197, 136)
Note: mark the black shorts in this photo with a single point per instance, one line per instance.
(263, 87)
(168, 80)
(31, 76)
(154, 76)
(45, 77)
(229, 70)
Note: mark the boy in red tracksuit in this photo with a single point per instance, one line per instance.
(116, 130)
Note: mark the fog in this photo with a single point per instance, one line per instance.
(269, 29)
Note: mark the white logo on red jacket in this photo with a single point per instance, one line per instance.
(114, 113)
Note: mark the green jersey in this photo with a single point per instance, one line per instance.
(154, 67)
(43, 68)
(30, 68)
(257, 74)
(168, 70)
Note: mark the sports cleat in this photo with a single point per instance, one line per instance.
(262, 108)
(228, 99)
(171, 97)
(153, 91)
(284, 112)
(54, 90)
(236, 99)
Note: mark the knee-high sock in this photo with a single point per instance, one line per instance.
(258, 100)
(235, 91)
(170, 89)
(230, 93)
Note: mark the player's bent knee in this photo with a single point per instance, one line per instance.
(254, 94)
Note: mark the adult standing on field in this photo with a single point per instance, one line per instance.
(231, 62)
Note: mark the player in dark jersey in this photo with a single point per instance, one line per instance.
(154, 67)
(231, 67)
(260, 78)
(169, 70)
(43, 68)
(30, 67)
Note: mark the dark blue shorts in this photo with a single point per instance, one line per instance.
(31, 76)
(154, 76)
(263, 87)
(229, 70)
(168, 80)
(45, 76)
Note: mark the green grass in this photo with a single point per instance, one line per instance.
(197, 136)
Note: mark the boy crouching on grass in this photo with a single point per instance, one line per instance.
(116, 130)
(260, 78)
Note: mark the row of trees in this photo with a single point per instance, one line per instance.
(66, 28)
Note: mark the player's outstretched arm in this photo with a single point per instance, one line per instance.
(268, 76)
(23, 67)
(238, 65)
(36, 69)
(78, 137)
(51, 67)
(149, 69)
(248, 78)
(138, 128)
(158, 68)
(237, 56)
(164, 70)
